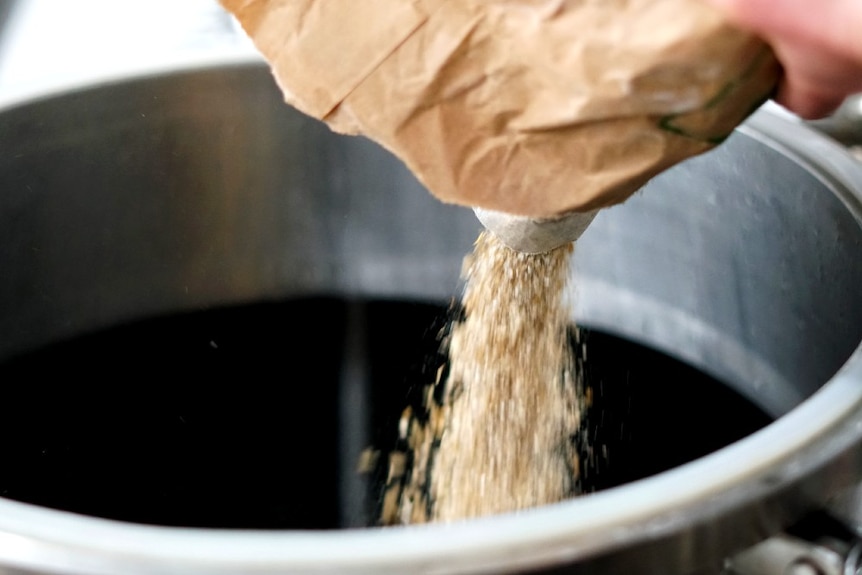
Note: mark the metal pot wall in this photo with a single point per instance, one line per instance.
(192, 188)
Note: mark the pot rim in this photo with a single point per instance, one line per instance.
(788, 452)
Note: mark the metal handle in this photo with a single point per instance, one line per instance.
(819, 545)
(845, 125)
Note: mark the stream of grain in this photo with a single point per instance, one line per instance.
(501, 439)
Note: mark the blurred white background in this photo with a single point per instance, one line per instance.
(54, 40)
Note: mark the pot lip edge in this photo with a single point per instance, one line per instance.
(821, 155)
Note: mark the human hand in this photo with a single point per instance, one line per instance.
(819, 45)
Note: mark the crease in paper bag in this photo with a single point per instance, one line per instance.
(528, 107)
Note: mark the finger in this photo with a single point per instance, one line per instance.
(829, 24)
(806, 102)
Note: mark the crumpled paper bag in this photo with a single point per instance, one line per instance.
(529, 107)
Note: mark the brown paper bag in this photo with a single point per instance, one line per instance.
(530, 107)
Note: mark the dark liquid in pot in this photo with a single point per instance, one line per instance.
(252, 417)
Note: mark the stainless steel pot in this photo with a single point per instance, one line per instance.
(194, 186)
